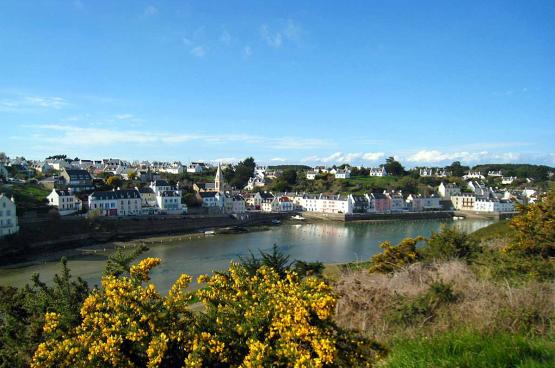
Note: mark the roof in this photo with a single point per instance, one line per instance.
(78, 174)
(378, 196)
(170, 193)
(161, 183)
(63, 192)
(266, 195)
(146, 190)
(207, 194)
(116, 194)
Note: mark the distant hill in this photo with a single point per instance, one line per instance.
(537, 172)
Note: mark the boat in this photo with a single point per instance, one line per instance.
(276, 222)
(458, 218)
(209, 232)
(298, 217)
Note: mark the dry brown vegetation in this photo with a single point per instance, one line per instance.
(372, 302)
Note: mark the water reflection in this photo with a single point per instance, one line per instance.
(327, 242)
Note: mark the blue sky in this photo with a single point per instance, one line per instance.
(310, 82)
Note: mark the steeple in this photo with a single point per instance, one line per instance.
(219, 183)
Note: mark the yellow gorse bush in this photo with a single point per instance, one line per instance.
(248, 321)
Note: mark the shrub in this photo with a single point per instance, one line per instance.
(534, 228)
(424, 306)
(395, 257)
(22, 313)
(450, 243)
(248, 320)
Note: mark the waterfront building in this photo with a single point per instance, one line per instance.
(463, 201)
(487, 205)
(8, 216)
(396, 201)
(380, 203)
(65, 201)
(115, 203)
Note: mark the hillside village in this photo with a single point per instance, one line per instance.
(58, 186)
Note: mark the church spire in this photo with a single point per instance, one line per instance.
(219, 183)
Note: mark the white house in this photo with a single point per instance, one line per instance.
(507, 180)
(311, 175)
(473, 175)
(423, 203)
(426, 171)
(65, 201)
(342, 174)
(8, 216)
(495, 173)
(396, 201)
(210, 199)
(448, 190)
(116, 203)
(255, 182)
(480, 189)
(487, 205)
(169, 201)
(194, 168)
(380, 171)
(256, 200)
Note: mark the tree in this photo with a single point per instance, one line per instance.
(394, 167)
(290, 176)
(457, 169)
(132, 175)
(119, 263)
(114, 181)
(244, 170)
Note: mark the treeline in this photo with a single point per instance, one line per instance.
(536, 172)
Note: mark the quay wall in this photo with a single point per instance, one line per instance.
(48, 235)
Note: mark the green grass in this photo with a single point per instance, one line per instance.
(26, 195)
(473, 350)
(498, 230)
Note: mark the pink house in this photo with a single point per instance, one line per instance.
(380, 202)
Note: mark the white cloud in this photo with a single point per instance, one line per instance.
(93, 136)
(373, 156)
(435, 156)
(339, 157)
(198, 51)
(21, 103)
(290, 31)
(150, 11)
(247, 51)
(226, 38)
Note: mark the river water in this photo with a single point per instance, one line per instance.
(328, 242)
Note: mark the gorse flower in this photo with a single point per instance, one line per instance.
(248, 321)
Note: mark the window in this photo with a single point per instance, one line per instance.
(8, 213)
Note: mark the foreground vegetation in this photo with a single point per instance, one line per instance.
(480, 300)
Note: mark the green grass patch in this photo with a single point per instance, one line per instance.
(469, 349)
(498, 230)
(27, 196)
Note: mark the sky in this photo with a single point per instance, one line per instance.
(305, 82)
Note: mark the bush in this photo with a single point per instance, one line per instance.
(248, 320)
(534, 228)
(450, 243)
(424, 306)
(513, 267)
(22, 314)
(395, 257)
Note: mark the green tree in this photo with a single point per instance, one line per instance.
(394, 167)
(457, 169)
(119, 263)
